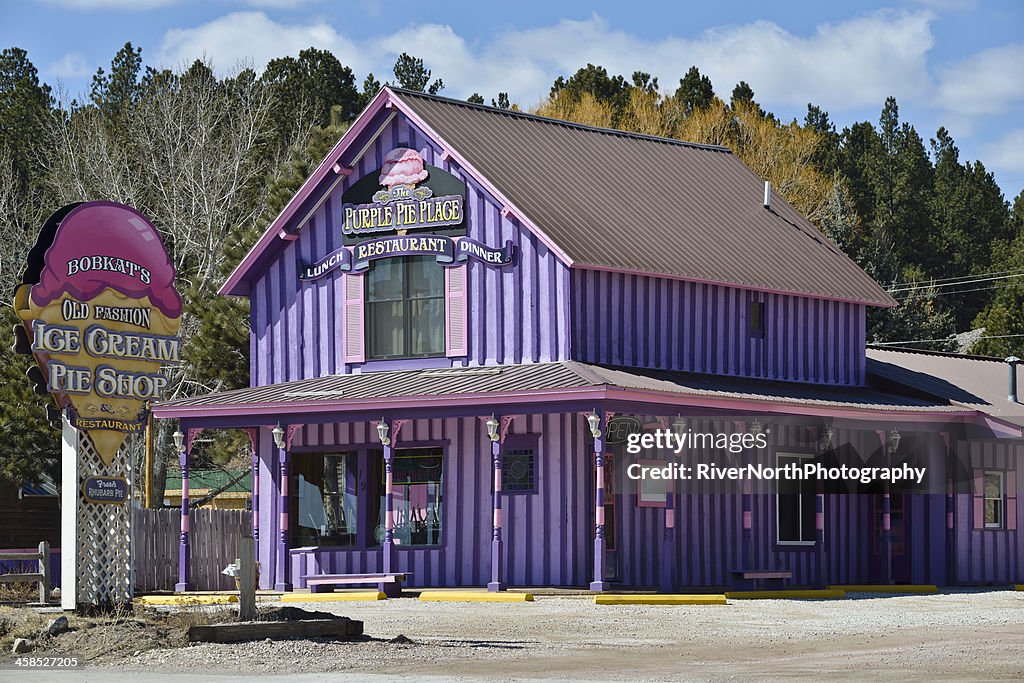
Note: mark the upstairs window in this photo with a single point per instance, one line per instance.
(756, 318)
(995, 494)
(405, 308)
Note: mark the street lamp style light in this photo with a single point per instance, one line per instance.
(179, 441)
(278, 435)
(382, 432)
(679, 426)
(756, 428)
(894, 441)
(492, 428)
(826, 438)
(595, 424)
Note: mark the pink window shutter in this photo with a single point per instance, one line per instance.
(979, 499)
(1011, 501)
(354, 332)
(456, 312)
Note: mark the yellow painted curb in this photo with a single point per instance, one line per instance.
(660, 600)
(815, 594)
(334, 597)
(481, 596)
(185, 600)
(1020, 586)
(906, 588)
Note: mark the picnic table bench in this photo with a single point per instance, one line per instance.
(388, 583)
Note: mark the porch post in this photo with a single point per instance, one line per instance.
(886, 515)
(184, 445)
(390, 563)
(497, 582)
(666, 583)
(598, 584)
(253, 436)
(283, 444)
(819, 535)
(950, 507)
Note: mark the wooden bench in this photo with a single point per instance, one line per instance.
(389, 584)
(755, 575)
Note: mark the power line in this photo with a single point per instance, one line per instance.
(901, 285)
(932, 285)
(959, 291)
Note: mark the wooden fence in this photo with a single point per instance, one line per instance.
(213, 542)
(40, 559)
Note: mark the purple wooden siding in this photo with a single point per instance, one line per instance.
(518, 314)
(987, 556)
(548, 536)
(644, 321)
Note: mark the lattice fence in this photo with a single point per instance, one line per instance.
(104, 531)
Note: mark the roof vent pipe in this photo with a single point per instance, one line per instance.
(1012, 363)
(767, 195)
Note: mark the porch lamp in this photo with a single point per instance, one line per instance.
(492, 428)
(826, 438)
(894, 441)
(595, 424)
(278, 435)
(679, 425)
(756, 428)
(179, 441)
(382, 432)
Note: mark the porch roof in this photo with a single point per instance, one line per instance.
(486, 388)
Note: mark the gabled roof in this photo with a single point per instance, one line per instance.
(610, 200)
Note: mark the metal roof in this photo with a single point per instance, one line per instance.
(971, 381)
(615, 200)
(493, 384)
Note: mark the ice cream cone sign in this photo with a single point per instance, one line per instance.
(100, 308)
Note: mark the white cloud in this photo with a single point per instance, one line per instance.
(278, 4)
(71, 65)
(253, 38)
(984, 83)
(853, 63)
(1007, 153)
(129, 5)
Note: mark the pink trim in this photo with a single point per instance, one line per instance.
(819, 520)
(584, 393)
(497, 480)
(231, 285)
(288, 236)
(185, 523)
(445, 155)
(479, 177)
(497, 518)
(600, 515)
(670, 518)
(747, 520)
(949, 520)
(284, 520)
(342, 170)
(886, 521)
(734, 285)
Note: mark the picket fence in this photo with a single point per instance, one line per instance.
(213, 542)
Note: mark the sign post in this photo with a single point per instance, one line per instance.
(101, 313)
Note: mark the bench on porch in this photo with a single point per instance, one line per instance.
(755, 575)
(389, 584)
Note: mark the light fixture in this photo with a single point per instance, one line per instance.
(894, 441)
(756, 428)
(492, 428)
(679, 425)
(595, 424)
(382, 432)
(278, 435)
(179, 441)
(826, 438)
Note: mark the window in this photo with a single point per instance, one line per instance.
(995, 493)
(756, 319)
(417, 474)
(795, 505)
(325, 503)
(405, 308)
(518, 472)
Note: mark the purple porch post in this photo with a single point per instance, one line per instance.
(666, 582)
(184, 557)
(821, 577)
(255, 496)
(497, 582)
(282, 583)
(950, 507)
(390, 563)
(599, 584)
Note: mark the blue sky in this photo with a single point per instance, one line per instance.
(956, 63)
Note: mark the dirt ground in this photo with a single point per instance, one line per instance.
(957, 635)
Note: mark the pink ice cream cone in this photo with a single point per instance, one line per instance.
(402, 166)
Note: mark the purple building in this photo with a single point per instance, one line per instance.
(466, 314)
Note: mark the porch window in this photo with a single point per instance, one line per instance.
(405, 308)
(995, 495)
(324, 505)
(417, 476)
(519, 471)
(794, 505)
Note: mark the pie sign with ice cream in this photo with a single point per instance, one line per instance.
(101, 313)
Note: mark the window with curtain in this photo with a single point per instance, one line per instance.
(418, 476)
(405, 308)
